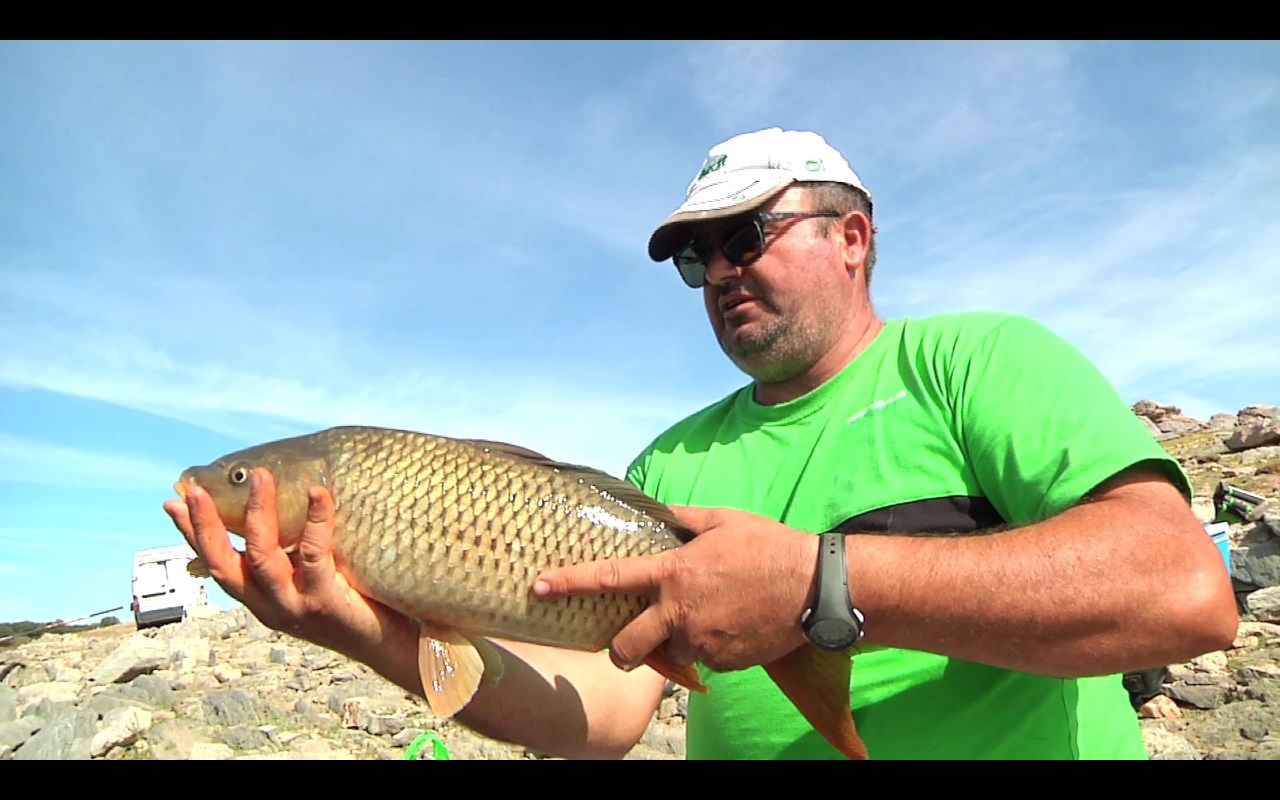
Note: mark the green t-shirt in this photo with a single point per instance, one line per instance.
(955, 422)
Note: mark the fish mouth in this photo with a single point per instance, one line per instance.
(180, 486)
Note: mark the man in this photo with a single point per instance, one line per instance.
(1018, 539)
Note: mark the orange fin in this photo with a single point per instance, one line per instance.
(816, 682)
(452, 665)
(198, 568)
(687, 676)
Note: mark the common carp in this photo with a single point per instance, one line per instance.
(453, 533)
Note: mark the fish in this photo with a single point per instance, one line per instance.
(453, 532)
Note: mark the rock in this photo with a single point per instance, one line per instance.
(1213, 663)
(1257, 561)
(665, 739)
(231, 707)
(15, 733)
(211, 751)
(1257, 426)
(1264, 604)
(1159, 707)
(120, 728)
(1201, 696)
(1164, 745)
(8, 704)
(137, 656)
(1259, 455)
(171, 740)
(189, 652)
(226, 674)
(244, 737)
(65, 739)
(33, 694)
(1223, 422)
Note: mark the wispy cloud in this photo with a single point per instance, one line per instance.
(26, 460)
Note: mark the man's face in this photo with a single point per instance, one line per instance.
(777, 316)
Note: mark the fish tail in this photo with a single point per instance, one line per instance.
(686, 676)
(816, 682)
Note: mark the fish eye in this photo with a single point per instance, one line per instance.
(239, 473)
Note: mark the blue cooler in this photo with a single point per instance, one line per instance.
(1218, 530)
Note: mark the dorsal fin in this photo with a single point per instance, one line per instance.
(509, 449)
(622, 490)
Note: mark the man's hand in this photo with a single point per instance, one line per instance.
(301, 593)
(731, 598)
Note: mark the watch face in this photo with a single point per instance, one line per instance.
(832, 633)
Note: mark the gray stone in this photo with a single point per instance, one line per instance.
(207, 751)
(1258, 426)
(1206, 697)
(665, 739)
(1257, 563)
(232, 707)
(8, 704)
(1264, 604)
(15, 732)
(243, 737)
(50, 710)
(1259, 454)
(1223, 422)
(121, 727)
(171, 740)
(138, 655)
(65, 739)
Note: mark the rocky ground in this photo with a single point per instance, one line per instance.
(223, 686)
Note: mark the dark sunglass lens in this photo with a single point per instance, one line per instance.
(743, 246)
(692, 265)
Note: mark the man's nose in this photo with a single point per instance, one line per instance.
(719, 270)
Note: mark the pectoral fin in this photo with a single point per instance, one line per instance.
(452, 665)
(817, 683)
(198, 568)
(687, 676)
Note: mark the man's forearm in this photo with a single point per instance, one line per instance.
(1106, 587)
(556, 702)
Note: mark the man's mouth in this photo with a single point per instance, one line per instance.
(730, 302)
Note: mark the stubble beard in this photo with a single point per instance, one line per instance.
(778, 351)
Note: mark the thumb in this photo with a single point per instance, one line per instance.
(697, 520)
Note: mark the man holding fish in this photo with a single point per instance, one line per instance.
(989, 571)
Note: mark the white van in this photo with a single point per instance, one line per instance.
(163, 590)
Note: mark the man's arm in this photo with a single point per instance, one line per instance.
(1123, 581)
(556, 702)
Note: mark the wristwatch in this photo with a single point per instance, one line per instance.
(831, 621)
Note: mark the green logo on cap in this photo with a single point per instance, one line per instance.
(813, 165)
(710, 166)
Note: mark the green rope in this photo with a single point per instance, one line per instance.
(438, 750)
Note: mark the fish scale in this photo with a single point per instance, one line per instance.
(432, 527)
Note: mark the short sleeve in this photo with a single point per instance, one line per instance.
(1041, 424)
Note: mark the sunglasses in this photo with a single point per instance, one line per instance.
(742, 245)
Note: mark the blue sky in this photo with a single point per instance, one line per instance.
(207, 245)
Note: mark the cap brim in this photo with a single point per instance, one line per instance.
(673, 233)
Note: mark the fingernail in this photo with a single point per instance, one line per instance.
(541, 588)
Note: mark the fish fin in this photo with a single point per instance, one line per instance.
(620, 489)
(493, 667)
(509, 449)
(816, 682)
(687, 676)
(450, 666)
(197, 567)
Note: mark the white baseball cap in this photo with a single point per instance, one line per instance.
(744, 172)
